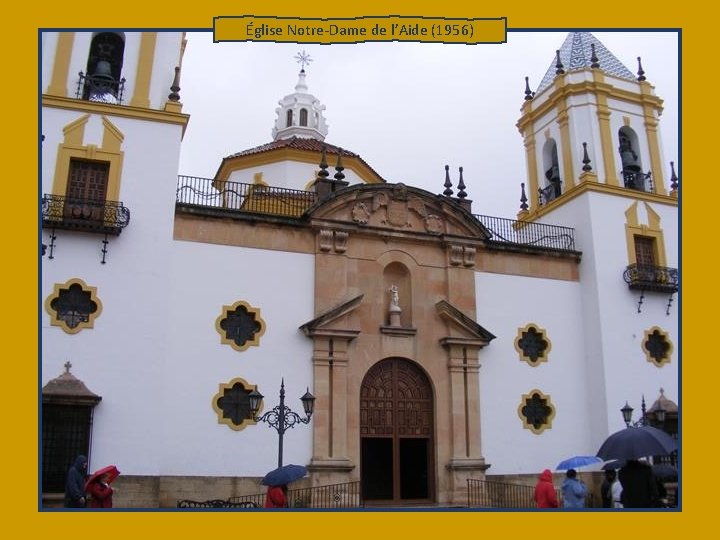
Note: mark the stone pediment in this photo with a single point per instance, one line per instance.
(464, 324)
(323, 323)
(398, 207)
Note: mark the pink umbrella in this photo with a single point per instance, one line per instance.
(111, 470)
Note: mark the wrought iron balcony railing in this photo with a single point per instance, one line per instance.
(524, 233)
(102, 88)
(91, 215)
(638, 180)
(651, 278)
(251, 198)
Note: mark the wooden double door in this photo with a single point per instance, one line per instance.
(396, 434)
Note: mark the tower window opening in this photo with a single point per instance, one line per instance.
(102, 81)
(289, 121)
(303, 117)
(632, 174)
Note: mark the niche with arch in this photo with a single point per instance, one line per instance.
(397, 274)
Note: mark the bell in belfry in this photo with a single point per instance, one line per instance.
(103, 69)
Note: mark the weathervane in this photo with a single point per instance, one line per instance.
(303, 58)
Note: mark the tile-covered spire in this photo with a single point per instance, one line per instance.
(577, 52)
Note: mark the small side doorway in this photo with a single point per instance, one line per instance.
(396, 431)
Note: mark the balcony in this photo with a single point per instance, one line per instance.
(645, 277)
(89, 215)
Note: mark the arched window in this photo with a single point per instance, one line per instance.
(631, 161)
(289, 118)
(303, 117)
(552, 188)
(104, 68)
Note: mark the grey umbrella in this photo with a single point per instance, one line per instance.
(637, 442)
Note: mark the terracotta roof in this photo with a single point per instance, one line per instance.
(302, 143)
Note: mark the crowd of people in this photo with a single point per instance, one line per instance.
(633, 486)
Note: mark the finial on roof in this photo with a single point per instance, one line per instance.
(586, 159)
(175, 88)
(559, 68)
(448, 185)
(523, 198)
(302, 59)
(322, 173)
(528, 92)
(673, 177)
(339, 167)
(461, 186)
(67, 366)
(595, 62)
(640, 73)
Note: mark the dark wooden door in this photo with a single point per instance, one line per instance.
(396, 432)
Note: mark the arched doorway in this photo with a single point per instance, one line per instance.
(396, 434)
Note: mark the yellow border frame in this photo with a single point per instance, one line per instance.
(550, 417)
(221, 392)
(256, 337)
(54, 321)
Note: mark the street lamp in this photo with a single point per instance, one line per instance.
(627, 411)
(281, 417)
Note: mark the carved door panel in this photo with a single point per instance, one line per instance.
(396, 431)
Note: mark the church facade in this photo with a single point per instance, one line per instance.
(438, 345)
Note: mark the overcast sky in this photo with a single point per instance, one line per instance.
(407, 108)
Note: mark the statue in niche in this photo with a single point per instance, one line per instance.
(394, 297)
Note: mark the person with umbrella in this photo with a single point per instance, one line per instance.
(277, 481)
(75, 484)
(98, 486)
(574, 490)
(639, 486)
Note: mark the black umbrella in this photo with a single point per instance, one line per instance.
(637, 442)
(284, 475)
(665, 472)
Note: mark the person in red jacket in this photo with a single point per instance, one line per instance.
(100, 492)
(545, 495)
(276, 497)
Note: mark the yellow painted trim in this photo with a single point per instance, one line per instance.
(603, 114)
(258, 179)
(633, 229)
(124, 111)
(567, 154)
(55, 321)
(230, 165)
(143, 73)
(221, 393)
(593, 186)
(61, 65)
(73, 147)
(648, 355)
(523, 401)
(255, 341)
(531, 158)
(540, 332)
(651, 133)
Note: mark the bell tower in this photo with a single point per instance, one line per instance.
(591, 121)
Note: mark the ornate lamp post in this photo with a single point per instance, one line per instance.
(281, 417)
(627, 411)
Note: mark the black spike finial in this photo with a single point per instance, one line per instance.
(586, 159)
(595, 62)
(641, 72)
(528, 92)
(559, 68)
(322, 173)
(448, 185)
(339, 167)
(461, 186)
(174, 96)
(674, 182)
(523, 198)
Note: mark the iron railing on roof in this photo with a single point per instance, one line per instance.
(345, 495)
(252, 198)
(525, 233)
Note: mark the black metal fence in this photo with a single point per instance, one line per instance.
(346, 495)
(252, 198)
(524, 233)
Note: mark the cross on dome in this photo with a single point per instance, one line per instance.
(303, 58)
